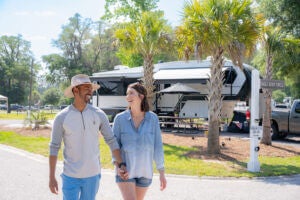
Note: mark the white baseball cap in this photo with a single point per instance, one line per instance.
(79, 79)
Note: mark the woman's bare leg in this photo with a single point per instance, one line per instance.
(141, 192)
(128, 190)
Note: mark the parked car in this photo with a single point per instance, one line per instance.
(62, 106)
(282, 106)
(31, 108)
(16, 107)
(285, 121)
(48, 107)
(3, 107)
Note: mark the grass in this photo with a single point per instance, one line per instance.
(175, 160)
(13, 115)
(23, 115)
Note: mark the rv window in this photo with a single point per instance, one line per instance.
(166, 85)
(111, 88)
(297, 109)
(230, 75)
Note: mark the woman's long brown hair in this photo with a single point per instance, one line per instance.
(141, 90)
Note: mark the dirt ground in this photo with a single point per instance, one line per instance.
(232, 148)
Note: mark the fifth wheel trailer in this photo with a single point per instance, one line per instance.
(111, 97)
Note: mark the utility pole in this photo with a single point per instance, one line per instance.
(30, 89)
(255, 130)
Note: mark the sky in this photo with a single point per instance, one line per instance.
(40, 21)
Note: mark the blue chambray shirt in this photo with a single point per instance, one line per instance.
(139, 147)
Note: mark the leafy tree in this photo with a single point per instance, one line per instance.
(127, 9)
(100, 52)
(273, 44)
(131, 11)
(58, 67)
(148, 36)
(286, 66)
(86, 48)
(51, 96)
(283, 13)
(15, 62)
(72, 42)
(278, 95)
(286, 14)
(36, 97)
(217, 28)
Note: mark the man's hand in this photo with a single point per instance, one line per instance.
(53, 185)
(122, 172)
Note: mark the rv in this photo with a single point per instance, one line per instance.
(195, 74)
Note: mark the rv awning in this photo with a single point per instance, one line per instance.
(182, 75)
(179, 88)
(3, 97)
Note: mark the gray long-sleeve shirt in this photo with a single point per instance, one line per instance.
(80, 134)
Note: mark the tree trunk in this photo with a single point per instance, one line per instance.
(215, 102)
(8, 95)
(266, 138)
(148, 78)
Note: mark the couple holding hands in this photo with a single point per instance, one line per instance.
(135, 141)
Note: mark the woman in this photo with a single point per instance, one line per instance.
(138, 133)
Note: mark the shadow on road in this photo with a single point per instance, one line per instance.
(281, 180)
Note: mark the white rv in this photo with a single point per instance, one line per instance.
(111, 96)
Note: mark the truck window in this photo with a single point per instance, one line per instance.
(297, 108)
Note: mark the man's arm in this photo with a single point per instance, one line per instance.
(54, 146)
(107, 133)
(52, 180)
(120, 165)
(116, 153)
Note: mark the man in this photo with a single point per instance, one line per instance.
(78, 126)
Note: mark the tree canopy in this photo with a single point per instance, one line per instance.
(218, 28)
(15, 65)
(127, 9)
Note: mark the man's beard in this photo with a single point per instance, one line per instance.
(87, 98)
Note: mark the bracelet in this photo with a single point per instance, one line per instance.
(122, 164)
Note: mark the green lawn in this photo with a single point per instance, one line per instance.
(24, 115)
(175, 160)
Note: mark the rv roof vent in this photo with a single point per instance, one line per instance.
(120, 67)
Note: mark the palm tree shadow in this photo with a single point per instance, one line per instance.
(285, 149)
(200, 152)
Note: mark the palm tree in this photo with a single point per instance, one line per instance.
(148, 36)
(217, 28)
(273, 44)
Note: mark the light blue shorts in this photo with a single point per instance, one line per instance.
(140, 182)
(80, 188)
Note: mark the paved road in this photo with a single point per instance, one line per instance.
(24, 175)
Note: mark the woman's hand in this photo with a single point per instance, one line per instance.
(122, 171)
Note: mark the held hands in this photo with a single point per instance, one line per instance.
(122, 171)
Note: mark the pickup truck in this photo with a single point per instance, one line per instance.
(285, 121)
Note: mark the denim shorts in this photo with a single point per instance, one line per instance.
(80, 188)
(140, 182)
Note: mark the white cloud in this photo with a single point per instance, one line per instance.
(22, 13)
(44, 13)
